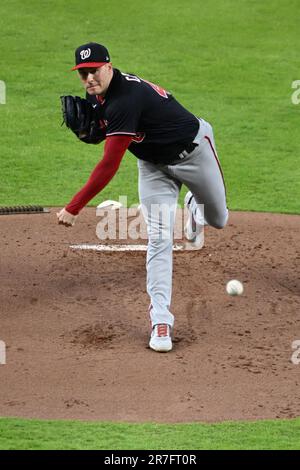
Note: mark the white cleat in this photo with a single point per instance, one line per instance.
(161, 340)
(194, 228)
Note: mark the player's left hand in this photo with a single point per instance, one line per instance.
(65, 218)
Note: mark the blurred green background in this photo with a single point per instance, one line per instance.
(230, 61)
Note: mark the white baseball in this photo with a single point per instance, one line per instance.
(234, 287)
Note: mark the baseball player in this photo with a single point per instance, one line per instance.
(173, 147)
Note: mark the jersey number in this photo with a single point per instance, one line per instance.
(157, 88)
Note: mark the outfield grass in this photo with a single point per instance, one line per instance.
(229, 61)
(24, 434)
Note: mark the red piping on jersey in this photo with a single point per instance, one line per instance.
(100, 99)
(216, 157)
(115, 148)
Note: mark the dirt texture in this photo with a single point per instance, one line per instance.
(76, 327)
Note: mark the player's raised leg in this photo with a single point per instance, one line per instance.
(201, 172)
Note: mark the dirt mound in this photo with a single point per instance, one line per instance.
(98, 335)
(76, 325)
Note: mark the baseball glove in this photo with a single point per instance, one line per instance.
(82, 118)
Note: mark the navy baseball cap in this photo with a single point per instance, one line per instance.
(91, 55)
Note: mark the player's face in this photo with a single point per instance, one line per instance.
(96, 81)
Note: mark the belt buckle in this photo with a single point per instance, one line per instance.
(183, 154)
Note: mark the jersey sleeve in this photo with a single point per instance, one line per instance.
(114, 150)
(123, 116)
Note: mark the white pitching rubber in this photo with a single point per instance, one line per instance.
(120, 247)
(110, 202)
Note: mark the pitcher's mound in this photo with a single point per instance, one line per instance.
(76, 327)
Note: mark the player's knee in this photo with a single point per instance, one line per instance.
(219, 221)
(219, 224)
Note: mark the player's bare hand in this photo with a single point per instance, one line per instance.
(65, 218)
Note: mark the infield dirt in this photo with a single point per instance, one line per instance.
(76, 325)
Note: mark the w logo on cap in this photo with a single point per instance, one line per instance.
(91, 55)
(85, 53)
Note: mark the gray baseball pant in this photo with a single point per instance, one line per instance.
(159, 187)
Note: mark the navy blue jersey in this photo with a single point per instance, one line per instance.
(160, 127)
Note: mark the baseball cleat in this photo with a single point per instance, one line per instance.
(193, 229)
(160, 340)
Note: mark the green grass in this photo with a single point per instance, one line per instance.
(24, 434)
(229, 61)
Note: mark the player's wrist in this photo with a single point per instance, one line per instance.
(71, 210)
